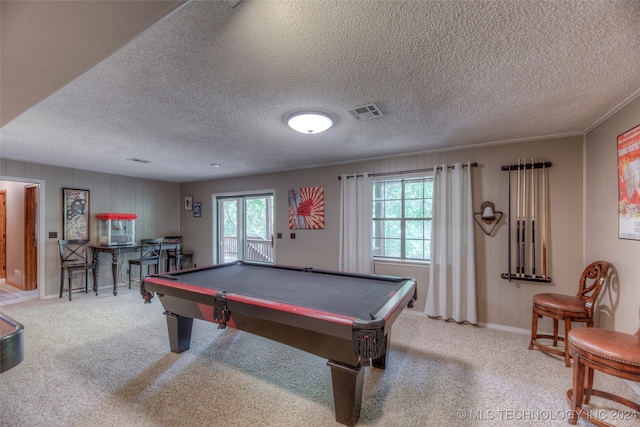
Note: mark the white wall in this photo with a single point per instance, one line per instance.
(621, 300)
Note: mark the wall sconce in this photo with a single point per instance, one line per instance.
(488, 215)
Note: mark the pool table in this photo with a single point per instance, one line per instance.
(346, 318)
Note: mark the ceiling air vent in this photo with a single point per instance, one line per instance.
(133, 159)
(370, 111)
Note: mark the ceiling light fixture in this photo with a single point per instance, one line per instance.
(310, 122)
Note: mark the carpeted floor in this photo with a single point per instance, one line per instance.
(105, 361)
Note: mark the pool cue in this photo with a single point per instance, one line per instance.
(523, 241)
(509, 231)
(518, 222)
(544, 221)
(533, 220)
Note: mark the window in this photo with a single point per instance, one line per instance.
(245, 228)
(402, 210)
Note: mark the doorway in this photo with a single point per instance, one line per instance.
(245, 225)
(21, 217)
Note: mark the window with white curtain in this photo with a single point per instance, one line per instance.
(402, 210)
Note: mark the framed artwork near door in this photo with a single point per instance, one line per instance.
(75, 216)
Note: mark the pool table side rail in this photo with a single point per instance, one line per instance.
(403, 296)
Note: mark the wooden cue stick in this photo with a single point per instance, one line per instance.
(518, 222)
(523, 241)
(544, 220)
(509, 231)
(533, 219)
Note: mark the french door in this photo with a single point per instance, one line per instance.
(245, 228)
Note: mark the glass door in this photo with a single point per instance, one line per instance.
(245, 228)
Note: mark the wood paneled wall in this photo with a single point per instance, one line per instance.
(156, 203)
(500, 302)
(620, 302)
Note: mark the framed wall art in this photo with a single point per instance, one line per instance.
(197, 209)
(629, 184)
(188, 203)
(75, 217)
(306, 208)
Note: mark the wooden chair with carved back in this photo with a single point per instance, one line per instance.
(578, 308)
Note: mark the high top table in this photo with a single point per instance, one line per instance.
(116, 251)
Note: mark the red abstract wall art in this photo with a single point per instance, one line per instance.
(306, 208)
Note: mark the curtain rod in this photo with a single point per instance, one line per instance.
(474, 164)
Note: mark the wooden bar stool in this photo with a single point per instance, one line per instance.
(567, 308)
(611, 352)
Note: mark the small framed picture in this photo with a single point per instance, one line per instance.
(197, 209)
(188, 203)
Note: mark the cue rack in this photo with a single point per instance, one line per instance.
(528, 194)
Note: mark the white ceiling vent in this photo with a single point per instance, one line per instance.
(370, 111)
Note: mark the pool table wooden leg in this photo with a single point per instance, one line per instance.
(381, 362)
(347, 391)
(179, 331)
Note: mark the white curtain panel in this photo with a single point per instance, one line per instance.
(451, 292)
(356, 209)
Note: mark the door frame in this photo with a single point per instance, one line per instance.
(214, 217)
(41, 232)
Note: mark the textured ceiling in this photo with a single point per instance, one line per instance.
(212, 83)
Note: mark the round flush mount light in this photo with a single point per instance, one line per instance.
(310, 122)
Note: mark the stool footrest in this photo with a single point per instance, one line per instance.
(588, 415)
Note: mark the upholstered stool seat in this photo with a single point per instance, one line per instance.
(561, 302)
(610, 352)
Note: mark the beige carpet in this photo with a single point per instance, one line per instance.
(105, 361)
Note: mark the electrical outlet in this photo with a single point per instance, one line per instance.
(17, 273)
(292, 235)
(53, 234)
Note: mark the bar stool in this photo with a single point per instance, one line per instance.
(567, 308)
(613, 353)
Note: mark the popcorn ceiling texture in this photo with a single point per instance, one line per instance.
(214, 84)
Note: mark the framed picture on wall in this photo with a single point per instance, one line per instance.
(306, 208)
(188, 203)
(75, 217)
(197, 209)
(629, 184)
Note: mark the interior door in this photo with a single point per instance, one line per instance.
(245, 228)
(31, 237)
